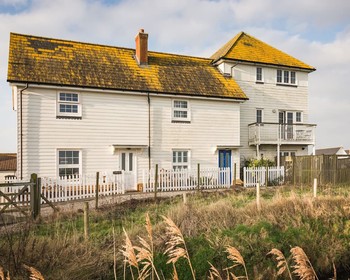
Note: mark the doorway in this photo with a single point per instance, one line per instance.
(129, 168)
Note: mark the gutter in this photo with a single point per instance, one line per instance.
(21, 130)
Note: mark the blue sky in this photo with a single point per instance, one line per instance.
(317, 32)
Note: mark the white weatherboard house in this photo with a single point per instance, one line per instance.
(274, 121)
(83, 108)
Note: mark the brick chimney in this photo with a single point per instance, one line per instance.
(141, 41)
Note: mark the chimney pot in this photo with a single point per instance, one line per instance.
(141, 41)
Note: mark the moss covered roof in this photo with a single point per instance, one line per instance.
(66, 63)
(246, 48)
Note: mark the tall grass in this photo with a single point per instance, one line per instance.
(206, 226)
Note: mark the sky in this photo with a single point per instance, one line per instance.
(316, 32)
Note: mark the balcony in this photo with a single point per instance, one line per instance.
(281, 134)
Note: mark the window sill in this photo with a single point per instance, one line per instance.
(69, 117)
(259, 82)
(286, 85)
(179, 121)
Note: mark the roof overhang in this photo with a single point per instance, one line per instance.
(248, 62)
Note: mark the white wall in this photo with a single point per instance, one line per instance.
(213, 123)
(122, 119)
(271, 98)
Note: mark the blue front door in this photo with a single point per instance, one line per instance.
(225, 159)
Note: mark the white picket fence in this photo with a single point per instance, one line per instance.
(81, 186)
(185, 179)
(254, 175)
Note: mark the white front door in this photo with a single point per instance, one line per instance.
(129, 168)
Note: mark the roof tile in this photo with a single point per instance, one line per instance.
(59, 62)
(244, 47)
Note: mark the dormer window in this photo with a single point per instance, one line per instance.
(285, 77)
(68, 105)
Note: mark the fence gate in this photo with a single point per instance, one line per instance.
(15, 197)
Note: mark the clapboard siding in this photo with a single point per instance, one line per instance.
(122, 119)
(107, 119)
(271, 98)
(213, 123)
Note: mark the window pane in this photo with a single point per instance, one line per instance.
(259, 116)
(286, 77)
(130, 161)
(259, 74)
(61, 172)
(69, 97)
(279, 76)
(180, 104)
(185, 157)
(180, 114)
(298, 116)
(292, 77)
(174, 157)
(123, 161)
(62, 96)
(179, 157)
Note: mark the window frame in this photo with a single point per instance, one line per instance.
(68, 102)
(180, 109)
(296, 117)
(180, 165)
(285, 77)
(261, 74)
(69, 165)
(262, 115)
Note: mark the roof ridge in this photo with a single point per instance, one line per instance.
(231, 42)
(104, 45)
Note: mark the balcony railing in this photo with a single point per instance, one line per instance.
(275, 133)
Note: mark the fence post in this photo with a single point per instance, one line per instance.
(315, 187)
(258, 197)
(198, 175)
(294, 162)
(156, 182)
(38, 188)
(86, 220)
(34, 199)
(267, 176)
(184, 196)
(96, 189)
(244, 176)
(335, 161)
(234, 175)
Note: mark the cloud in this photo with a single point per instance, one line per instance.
(314, 31)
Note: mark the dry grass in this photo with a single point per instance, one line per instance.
(176, 245)
(34, 274)
(230, 222)
(282, 264)
(303, 267)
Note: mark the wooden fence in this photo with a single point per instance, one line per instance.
(327, 169)
(265, 176)
(186, 179)
(21, 196)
